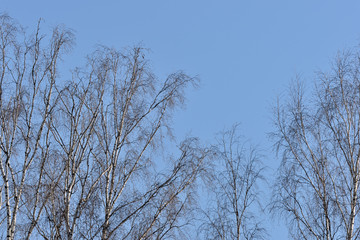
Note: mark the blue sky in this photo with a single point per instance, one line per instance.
(244, 52)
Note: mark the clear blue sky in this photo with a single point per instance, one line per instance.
(245, 52)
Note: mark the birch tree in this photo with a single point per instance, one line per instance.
(28, 76)
(318, 138)
(234, 190)
(81, 158)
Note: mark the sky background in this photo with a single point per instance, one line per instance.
(245, 52)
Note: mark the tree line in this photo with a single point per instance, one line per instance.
(86, 158)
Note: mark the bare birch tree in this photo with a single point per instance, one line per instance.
(233, 186)
(78, 157)
(28, 76)
(132, 117)
(318, 136)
